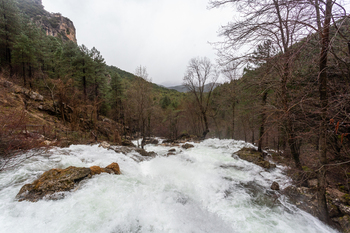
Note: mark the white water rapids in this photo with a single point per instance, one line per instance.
(202, 189)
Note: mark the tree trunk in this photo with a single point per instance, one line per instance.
(30, 75)
(291, 137)
(24, 73)
(206, 130)
(233, 119)
(84, 82)
(321, 176)
(263, 119)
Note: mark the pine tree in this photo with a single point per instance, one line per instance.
(9, 29)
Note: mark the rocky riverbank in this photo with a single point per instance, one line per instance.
(305, 197)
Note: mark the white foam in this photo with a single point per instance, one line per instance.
(191, 191)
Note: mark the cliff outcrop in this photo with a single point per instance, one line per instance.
(54, 24)
(58, 26)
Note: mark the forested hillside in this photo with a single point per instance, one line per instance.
(292, 96)
(36, 55)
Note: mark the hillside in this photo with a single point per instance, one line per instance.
(182, 88)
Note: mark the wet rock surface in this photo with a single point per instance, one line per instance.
(337, 202)
(127, 142)
(53, 182)
(187, 146)
(275, 186)
(254, 156)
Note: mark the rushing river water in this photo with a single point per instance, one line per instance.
(203, 189)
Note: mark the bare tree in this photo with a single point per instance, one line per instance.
(322, 202)
(141, 95)
(200, 79)
(230, 71)
(285, 23)
(276, 21)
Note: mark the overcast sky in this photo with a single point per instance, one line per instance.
(162, 35)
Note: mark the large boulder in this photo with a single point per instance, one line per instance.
(254, 156)
(60, 180)
(52, 181)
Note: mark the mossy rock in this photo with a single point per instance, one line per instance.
(254, 156)
(344, 223)
(61, 180)
(52, 181)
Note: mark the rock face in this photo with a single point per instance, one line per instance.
(58, 26)
(254, 156)
(60, 180)
(54, 24)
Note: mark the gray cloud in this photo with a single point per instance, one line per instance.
(161, 35)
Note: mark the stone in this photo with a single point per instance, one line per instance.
(95, 170)
(168, 141)
(187, 146)
(333, 210)
(52, 181)
(249, 154)
(275, 186)
(312, 183)
(35, 96)
(172, 150)
(115, 168)
(105, 145)
(254, 156)
(344, 223)
(344, 209)
(127, 142)
(264, 164)
(184, 136)
(145, 153)
(304, 198)
(337, 195)
(122, 149)
(151, 141)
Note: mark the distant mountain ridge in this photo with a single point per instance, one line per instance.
(183, 88)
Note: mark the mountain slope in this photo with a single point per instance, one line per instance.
(183, 88)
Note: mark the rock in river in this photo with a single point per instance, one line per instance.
(60, 180)
(254, 156)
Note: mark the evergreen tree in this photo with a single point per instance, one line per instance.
(9, 29)
(26, 51)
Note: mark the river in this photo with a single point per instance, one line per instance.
(202, 189)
